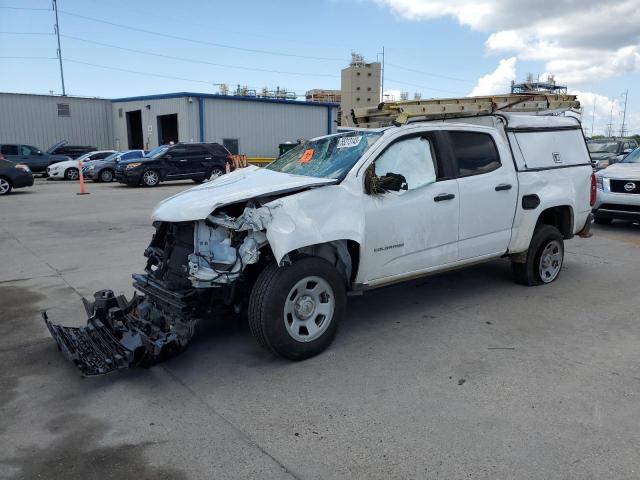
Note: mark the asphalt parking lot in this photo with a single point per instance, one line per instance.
(463, 375)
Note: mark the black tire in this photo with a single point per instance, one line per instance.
(268, 300)
(71, 174)
(602, 221)
(5, 186)
(106, 176)
(148, 177)
(528, 273)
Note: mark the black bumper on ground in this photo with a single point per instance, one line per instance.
(123, 334)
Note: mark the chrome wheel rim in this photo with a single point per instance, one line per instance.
(4, 186)
(72, 174)
(215, 173)
(106, 176)
(309, 309)
(150, 178)
(550, 261)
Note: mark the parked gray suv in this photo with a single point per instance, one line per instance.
(33, 157)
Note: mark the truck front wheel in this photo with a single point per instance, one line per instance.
(544, 258)
(294, 311)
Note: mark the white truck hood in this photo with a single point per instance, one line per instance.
(242, 184)
(624, 171)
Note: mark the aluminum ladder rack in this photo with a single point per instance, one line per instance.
(400, 113)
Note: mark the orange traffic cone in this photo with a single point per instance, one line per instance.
(82, 192)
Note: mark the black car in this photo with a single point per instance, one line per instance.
(105, 170)
(72, 151)
(33, 157)
(13, 175)
(195, 161)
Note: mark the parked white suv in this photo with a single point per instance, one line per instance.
(343, 214)
(619, 190)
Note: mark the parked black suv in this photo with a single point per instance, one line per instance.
(195, 161)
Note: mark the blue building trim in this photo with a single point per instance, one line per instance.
(201, 117)
(223, 97)
(329, 120)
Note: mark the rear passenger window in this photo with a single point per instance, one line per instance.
(475, 153)
(9, 149)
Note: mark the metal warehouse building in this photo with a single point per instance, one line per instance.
(251, 126)
(42, 120)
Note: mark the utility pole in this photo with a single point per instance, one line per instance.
(593, 115)
(382, 76)
(610, 126)
(55, 8)
(624, 113)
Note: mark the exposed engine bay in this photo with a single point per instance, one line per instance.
(191, 267)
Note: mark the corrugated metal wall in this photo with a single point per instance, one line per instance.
(187, 119)
(34, 120)
(261, 126)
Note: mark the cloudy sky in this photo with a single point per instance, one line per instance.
(115, 48)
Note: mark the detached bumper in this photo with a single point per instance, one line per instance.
(124, 334)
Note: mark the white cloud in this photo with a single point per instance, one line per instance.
(578, 40)
(499, 81)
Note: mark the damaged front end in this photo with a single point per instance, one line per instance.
(192, 267)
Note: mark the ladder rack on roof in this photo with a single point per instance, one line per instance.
(399, 113)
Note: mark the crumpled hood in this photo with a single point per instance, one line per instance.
(624, 171)
(242, 184)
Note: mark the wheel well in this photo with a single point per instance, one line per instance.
(560, 217)
(342, 254)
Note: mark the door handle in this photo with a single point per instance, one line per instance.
(207, 158)
(183, 160)
(503, 186)
(444, 196)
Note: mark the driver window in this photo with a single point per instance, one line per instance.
(412, 159)
(24, 150)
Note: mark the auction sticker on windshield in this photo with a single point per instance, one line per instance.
(348, 142)
(306, 156)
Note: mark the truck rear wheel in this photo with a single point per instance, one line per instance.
(294, 311)
(544, 258)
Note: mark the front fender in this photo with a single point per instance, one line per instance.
(316, 216)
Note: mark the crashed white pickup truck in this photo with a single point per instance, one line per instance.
(339, 215)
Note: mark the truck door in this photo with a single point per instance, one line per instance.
(415, 227)
(488, 194)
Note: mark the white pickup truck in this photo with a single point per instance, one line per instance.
(340, 215)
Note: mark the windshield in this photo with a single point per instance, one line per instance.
(156, 152)
(327, 157)
(603, 147)
(633, 157)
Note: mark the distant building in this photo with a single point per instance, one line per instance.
(360, 86)
(253, 126)
(325, 96)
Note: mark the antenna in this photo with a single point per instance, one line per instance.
(610, 126)
(57, 27)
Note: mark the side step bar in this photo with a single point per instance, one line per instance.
(123, 334)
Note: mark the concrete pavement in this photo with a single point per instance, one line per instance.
(463, 375)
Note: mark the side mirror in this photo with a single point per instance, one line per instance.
(39, 153)
(167, 156)
(391, 182)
